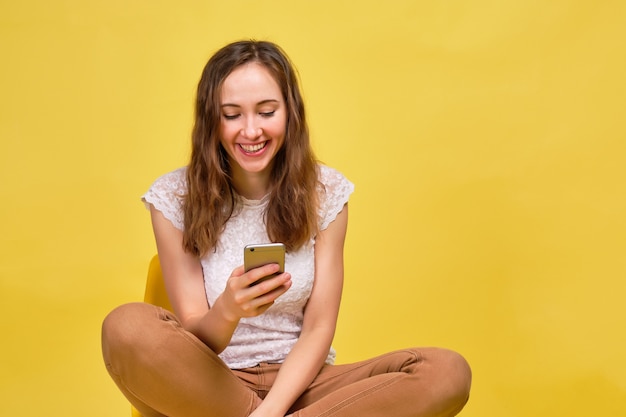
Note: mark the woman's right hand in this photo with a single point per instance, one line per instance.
(250, 294)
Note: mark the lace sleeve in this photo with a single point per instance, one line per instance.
(166, 195)
(334, 196)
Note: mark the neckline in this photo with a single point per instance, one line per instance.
(254, 203)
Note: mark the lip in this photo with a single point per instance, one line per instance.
(257, 152)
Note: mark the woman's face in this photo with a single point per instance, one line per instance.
(253, 120)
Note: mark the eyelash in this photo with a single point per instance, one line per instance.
(266, 114)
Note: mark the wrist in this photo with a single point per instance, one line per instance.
(222, 312)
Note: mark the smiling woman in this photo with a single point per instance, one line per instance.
(257, 342)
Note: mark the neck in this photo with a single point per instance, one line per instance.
(251, 185)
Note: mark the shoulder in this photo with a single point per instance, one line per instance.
(166, 195)
(170, 186)
(175, 180)
(335, 191)
(333, 181)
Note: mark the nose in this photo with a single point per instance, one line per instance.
(251, 130)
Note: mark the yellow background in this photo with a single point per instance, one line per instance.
(486, 140)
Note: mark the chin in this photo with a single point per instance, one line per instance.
(255, 168)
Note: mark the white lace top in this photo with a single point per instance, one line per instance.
(270, 336)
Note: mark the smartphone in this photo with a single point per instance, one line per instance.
(262, 254)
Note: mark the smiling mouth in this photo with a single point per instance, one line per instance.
(253, 148)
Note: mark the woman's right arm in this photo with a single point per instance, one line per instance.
(184, 283)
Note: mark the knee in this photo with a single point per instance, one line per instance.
(455, 376)
(123, 327)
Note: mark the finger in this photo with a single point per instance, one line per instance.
(256, 274)
(240, 279)
(271, 289)
(260, 304)
(269, 283)
(262, 309)
(249, 298)
(237, 280)
(240, 270)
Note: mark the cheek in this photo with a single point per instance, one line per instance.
(227, 132)
(278, 127)
(225, 140)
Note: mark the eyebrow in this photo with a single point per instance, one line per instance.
(260, 103)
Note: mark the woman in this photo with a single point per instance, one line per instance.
(234, 348)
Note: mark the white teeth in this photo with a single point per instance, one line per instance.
(253, 148)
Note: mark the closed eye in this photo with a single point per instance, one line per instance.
(268, 113)
(231, 116)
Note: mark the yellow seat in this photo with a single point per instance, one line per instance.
(155, 294)
(155, 287)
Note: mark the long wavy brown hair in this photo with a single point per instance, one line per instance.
(291, 214)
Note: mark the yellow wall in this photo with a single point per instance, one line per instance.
(486, 140)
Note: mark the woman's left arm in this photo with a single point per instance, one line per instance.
(318, 329)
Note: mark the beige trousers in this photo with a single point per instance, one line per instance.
(164, 370)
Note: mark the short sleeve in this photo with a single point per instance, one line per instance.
(166, 195)
(335, 194)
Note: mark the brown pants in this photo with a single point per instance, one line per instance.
(164, 370)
